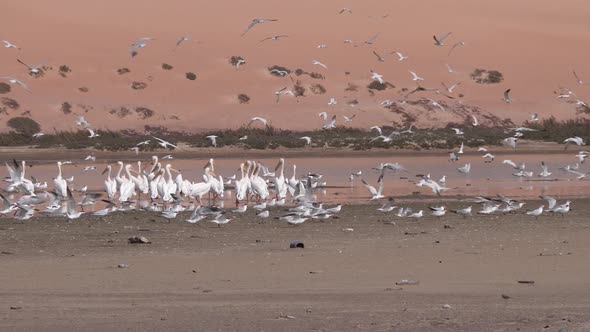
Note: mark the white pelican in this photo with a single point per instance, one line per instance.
(60, 184)
(279, 181)
(110, 183)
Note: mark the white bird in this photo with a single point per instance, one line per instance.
(436, 104)
(8, 44)
(544, 170)
(243, 138)
(240, 62)
(415, 77)
(220, 220)
(331, 124)
(534, 117)
(167, 157)
(141, 43)
(475, 123)
(433, 185)
(307, 139)
(345, 10)
(489, 156)
(13, 80)
(258, 21)
(461, 43)
(92, 133)
(32, 69)
(377, 77)
(323, 115)
(72, 211)
(439, 41)
(507, 98)
(82, 122)
(315, 62)
(278, 94)
(581, 156)
(332, 101)
(376, 193)
(258, 119)
(182, 40)
(37, 135)
(438, 211)
(463, 212)
(510, 141)
(263, 214)
(577, 78)
(162, 143)
(574, 140)
(458, 131)
(536, 212)
(416, 215)
(89, 168)
(213, 140)
(347, 119)
(451, 88)
(90, 157)
(450, 70)
(464, 169)
(461, 148)
(241, 209)
(401, 57)
(377, 128)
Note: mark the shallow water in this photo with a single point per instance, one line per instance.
(485, 179)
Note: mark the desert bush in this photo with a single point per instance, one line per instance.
(64, 70)
(144, 112)
(484, 76)
(138, 85)
(243, 98)
(23, 125)
(375, 85)
(166, 66)
(316, 76)
(191, 76)
(351, 87)
(279, 68)
(120, 112)
(298, 89)
(10, 103)
(317, 89)
(4, 88)
(234, 59)
(122, 71)
(83, 89)
(66, 107)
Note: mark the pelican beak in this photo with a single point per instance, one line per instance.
(174, 170)
(105, 170)
(134, 171)
(213, 173)
(277, 167)
(207, 165)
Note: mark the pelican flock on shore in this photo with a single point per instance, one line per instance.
(159, 187)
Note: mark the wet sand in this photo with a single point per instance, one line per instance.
(243, 277)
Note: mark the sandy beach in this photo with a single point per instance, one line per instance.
(243, 276)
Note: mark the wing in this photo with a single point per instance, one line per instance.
(23, 63)
(372, 189)
(333, 121)
(250, 26)
(507, 94)
(550, 201)
(442, 38)
(380, 184)
(377, 55)
(71, 201)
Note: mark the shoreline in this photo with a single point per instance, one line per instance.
(184, 152)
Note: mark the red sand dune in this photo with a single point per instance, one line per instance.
(533, 43)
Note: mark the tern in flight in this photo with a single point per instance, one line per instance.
(273, 38)
(315, 62)
(33, 69)
(13, 80)
(258, 21)
(415, 77)
(439, 41)
(8, 44)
